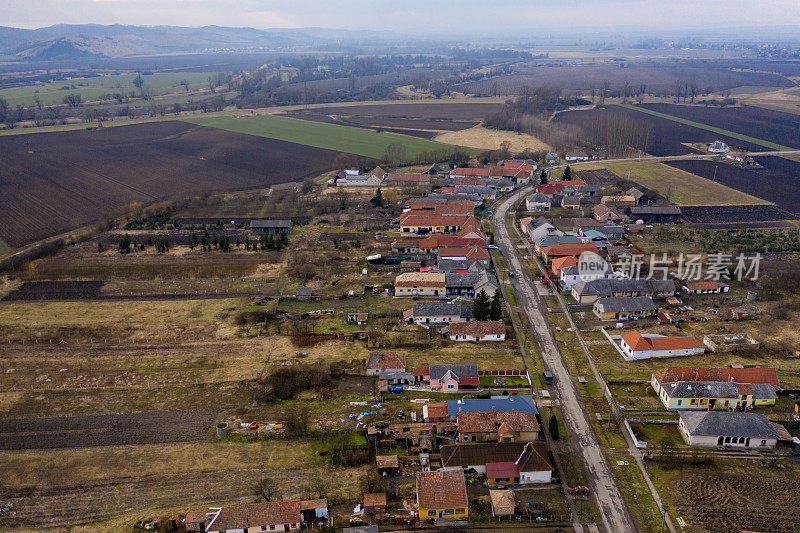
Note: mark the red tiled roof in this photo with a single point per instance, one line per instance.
(501, 470)
(420, 371)
(569, 249)
(424, 219)
(560, 263)
(250, 515)
(468, 180)
(737, 375)
(441, 490)
(387, 461)
(386, 360)
(489, 422)
(436, 409)
(470, 252)
(478, 329)
(637, 342)
(375, 499)
(702, 285)
(409, 178)
(470, 172)
(420, 279)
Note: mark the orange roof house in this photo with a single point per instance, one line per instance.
(442, 492)
(560, 263)
(634, 345)
(563, 250)
(737, 375)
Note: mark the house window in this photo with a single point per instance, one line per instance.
(680, 402)
(449, 511)
(764, 442)
(431, 513)
(450, 386)
(460, 511)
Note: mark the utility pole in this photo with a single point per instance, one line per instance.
(664, 517)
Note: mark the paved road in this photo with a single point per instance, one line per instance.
(614, 514)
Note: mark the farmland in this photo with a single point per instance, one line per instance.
(666, 136)
(677, 185)
(320, 135)
(94, 88)
(772, 126)
(775, 180)
(52, 183)
(658, 76)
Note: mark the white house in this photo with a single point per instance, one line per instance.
(540, 229)
(730, 429)
(538, 202)
(573, 274)
(478, 331)
(636, 346)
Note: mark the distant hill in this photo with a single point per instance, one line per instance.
(66, 41)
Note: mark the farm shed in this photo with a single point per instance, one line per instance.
(655, 215)
(503, 502)
(272, 227)
(624, 307)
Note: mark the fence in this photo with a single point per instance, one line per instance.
(501, 373)
(638, 443)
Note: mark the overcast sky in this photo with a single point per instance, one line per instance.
(461, 16)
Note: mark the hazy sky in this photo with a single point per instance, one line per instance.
(404, 15)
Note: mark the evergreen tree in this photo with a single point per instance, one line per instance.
(553, 427)
(496, 309)
(543, 177)
(377, 200)
(567, 174)
(481, 307)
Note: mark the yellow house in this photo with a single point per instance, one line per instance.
(442, 495)
(714, 395)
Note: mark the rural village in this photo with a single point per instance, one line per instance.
(388, 305)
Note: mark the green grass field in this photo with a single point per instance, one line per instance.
(93, 88)
(706, 127)
(331, 136)
(4, 248)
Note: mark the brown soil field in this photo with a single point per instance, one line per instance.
(718, 501)
(51, 183)
(442, 111)
(153, 427)
(398, 122)
(487, 139)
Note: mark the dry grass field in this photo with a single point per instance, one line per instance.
(488, 139)
(676, 185)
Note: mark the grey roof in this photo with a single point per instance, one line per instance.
(560, 239)
(474, 189)
(728, 424)
(636, 193)
(582, 188)
(500, 404)
(539, 198)
(763, 391)
(451, 265)
(607, 287)
(303, 291)
(460, 371)
(443, 309)
(629, 304)
(460, 280)
(498, 182)
(426, 199)
(262, 223)
(702, 389)
(655, 210)
(575, 270)
(454, 196)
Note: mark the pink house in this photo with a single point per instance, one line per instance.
(453, 377)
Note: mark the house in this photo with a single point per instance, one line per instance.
(359, 319)
(638, 195)
(763, 381)
(437, 169)
(538, 202)
(504, 502)
(465, 172)
(483, 192)
(502, 474)
(552, 188)
(588, 292)
(469, 252)
(501, 185)
(412, 284)
(573, 274)
(729, 429)
(521, 402)
(571, 202)
(375, 501)
(706, 395)
(273, 227)
(478, 331)
(381, 363)
(540, 229)
(576, 156)
(373, 179)
(439, 313)
(440, 207)
(431, 411)
(459, 266)
(421, 222)
(638, 346)
(304, 294)
(581, 189)
(453, 377)
(619, 201)
(531, 458)
(551, 158)
(508, 426)
(624, 308)
(560, 263)
(266, 516)
(442, 495)
(655, 215)
(603, 213)
(705, 287)
(388, 465)
(455, 196)
(566, 250)
(195, 521)
(407, 180)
